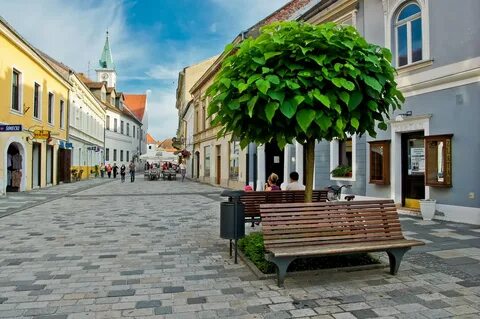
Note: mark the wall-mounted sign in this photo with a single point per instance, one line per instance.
(41, 134)
(11, 128)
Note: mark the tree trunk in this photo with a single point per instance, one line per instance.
(310, 164)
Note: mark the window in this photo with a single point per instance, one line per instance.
(408, 32)
(380, 162)
(36, 101)
(206, 162)
(121, 127)
(128, 156)
(16, 90)
(133, 130)
(114, 155)
(121, 155)
(149, 147)
(128, 129)
(234, 160)
(114, 125)
(62, 105)
(107, 154)
(50, 108)
(197, 122)
(108, 122)
(342, 158)
(438, 151)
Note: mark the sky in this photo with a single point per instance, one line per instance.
(151, 40)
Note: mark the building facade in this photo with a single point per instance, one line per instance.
(33, 97)
(184, 104)
(428, 150)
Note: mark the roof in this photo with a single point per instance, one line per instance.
(106, 60)
(89, 82)
(150, 139)
(136, 103)
(167, 145)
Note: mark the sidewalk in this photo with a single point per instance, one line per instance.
(15, 202)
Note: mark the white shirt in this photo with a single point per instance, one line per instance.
(295, 186)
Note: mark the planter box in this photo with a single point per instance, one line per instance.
(427, 208)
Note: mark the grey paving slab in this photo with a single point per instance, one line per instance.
(152, 249)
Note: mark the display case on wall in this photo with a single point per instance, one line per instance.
(438, 156)
(380, 162)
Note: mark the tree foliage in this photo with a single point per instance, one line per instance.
(303, 82)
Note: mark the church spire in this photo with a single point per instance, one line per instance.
(106, 61)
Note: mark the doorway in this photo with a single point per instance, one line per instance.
(36, 164)
(413, 169)
(219, 165)
(197, 162)
(14, 168)
(49, 165)
(274, 161)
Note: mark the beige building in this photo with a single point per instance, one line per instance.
(186, 79)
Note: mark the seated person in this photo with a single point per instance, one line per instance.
(271, 184)
(294, 185)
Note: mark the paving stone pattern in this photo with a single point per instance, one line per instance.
(151, 249)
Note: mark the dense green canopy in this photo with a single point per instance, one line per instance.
(301, 81)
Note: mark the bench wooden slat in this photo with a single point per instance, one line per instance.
(345, 248)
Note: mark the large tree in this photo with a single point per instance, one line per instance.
(303, 82)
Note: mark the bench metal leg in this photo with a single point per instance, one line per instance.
(395, 257)
(253, 221)
(282, 266)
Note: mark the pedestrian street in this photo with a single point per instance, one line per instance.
(151, 249)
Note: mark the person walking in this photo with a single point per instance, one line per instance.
(131, 167)
(109, 170)
(183, 170)
(115, 170)
(102, 170)
(122, 172)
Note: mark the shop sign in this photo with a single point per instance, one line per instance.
(41, 134)
(11, 128)
(93, 148)
(68, 145)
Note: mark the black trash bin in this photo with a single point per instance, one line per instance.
(232, 218)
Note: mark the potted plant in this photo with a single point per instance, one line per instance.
(74, 172)
(342, 171)
(427, 208)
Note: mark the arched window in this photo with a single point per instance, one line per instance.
(408, 32)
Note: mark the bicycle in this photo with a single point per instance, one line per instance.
(335, 193)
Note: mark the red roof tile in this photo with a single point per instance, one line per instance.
(136, 103)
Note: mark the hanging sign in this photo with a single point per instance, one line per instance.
(11, 128)
(41, 134)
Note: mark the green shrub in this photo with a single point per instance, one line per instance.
(253, 248)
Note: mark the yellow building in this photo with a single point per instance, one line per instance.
(33, 98)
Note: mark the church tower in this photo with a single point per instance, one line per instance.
(106, 71)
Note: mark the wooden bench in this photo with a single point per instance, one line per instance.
(253, 200)
(300, 230)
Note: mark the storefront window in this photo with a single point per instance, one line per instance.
(234, 160)
(380, 162)
(206, 162)
(439, 160)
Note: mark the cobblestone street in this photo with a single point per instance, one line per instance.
(151, 249)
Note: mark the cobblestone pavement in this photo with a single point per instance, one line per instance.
(152, 250)
(14, 202)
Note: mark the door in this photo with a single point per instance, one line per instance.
(197, 161)
(274, 161)
(64, 163)
(36, 164)
(413, 169)
(49, 165)
(219, 165)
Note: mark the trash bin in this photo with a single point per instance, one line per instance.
(232, 218)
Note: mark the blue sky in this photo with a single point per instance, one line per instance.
(151, 40)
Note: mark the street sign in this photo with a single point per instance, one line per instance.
(41, 134)
(11, 128)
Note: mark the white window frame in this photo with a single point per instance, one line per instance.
(391, 11)
(408, 23)
(334, 160)
(40, 97)
(20, 91)
(52, 123)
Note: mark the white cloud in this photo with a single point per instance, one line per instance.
(213, 27)
(162, 114)
(73, 32)
(164, 72)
